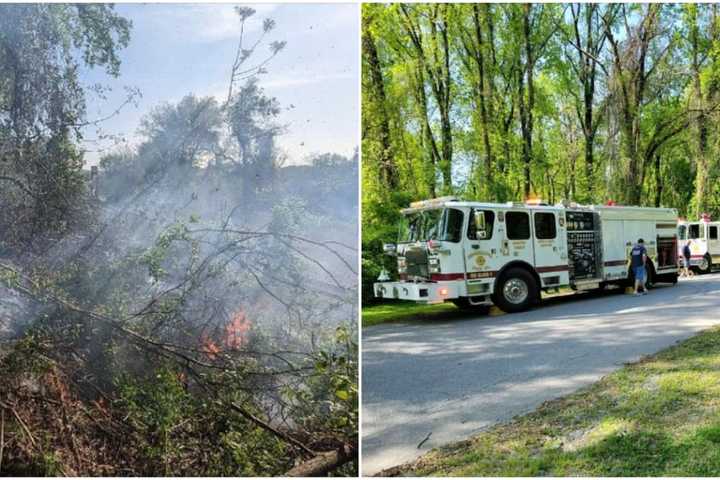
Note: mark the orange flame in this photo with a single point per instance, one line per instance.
(209, 347)
(236, 335)
(237, 330)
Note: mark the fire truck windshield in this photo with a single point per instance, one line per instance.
(439, 224)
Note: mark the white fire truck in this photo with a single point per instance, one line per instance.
(704, 237)
(478, 254)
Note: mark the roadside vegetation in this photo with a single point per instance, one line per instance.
(395, 311)
(657, 417)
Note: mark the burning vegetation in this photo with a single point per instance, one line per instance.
(190, 307)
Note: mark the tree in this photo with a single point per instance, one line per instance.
(377, 124)
(586, 39)
(187, 134)
(42, 108)
(636, 61)
(536, 25)
(431, 52)
(476, 42)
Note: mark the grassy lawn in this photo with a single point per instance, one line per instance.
(403, 310)
(657, 417)
(389, 312)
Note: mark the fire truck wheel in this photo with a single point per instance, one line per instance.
(515, 291)
(705, 265)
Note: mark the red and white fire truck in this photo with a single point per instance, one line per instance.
(477, 254)
(704, 237)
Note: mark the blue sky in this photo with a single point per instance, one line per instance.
(176, 49)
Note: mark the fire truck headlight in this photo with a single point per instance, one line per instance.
(434, 265)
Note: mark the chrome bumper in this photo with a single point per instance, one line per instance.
(417, 292)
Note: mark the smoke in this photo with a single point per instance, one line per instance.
(191, 228)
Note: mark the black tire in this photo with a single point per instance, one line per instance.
(515, 291)
(463, 303)
(706, 266)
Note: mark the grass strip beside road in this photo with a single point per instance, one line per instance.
(403, 310)
(397, 310)
(657, 417)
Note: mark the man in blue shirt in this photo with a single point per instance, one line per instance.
(638, 257)
(687, 253)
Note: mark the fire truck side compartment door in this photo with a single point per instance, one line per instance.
(614, 249)
(549, 243)
(714, 242)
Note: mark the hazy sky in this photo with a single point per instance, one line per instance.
(185, 48)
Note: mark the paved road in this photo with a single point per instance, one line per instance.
(455, 377)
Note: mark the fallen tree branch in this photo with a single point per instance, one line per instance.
(266, 426)
(324, 463)
(20, 421)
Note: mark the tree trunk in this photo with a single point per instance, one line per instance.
(324, 463)
(701, 170)
(483, 95)
(525, 82)
(658, 182)
(388, 169)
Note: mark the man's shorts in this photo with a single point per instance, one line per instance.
(639, 273)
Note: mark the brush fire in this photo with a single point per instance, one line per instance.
(187, 307)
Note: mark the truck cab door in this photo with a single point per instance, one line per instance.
(550, 255)
(482, 255)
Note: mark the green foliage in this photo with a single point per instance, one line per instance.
(28, 357)
(157, 256)
(381, 214)
(155, 407)
(328, 402)
(42, 106)
(181, 432)
(398, 311)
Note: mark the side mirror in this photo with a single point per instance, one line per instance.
(480, 226)
(390, 249)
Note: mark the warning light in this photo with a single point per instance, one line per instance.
(534, 201)
(610, 203)
(443, 291)
(433, 244)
